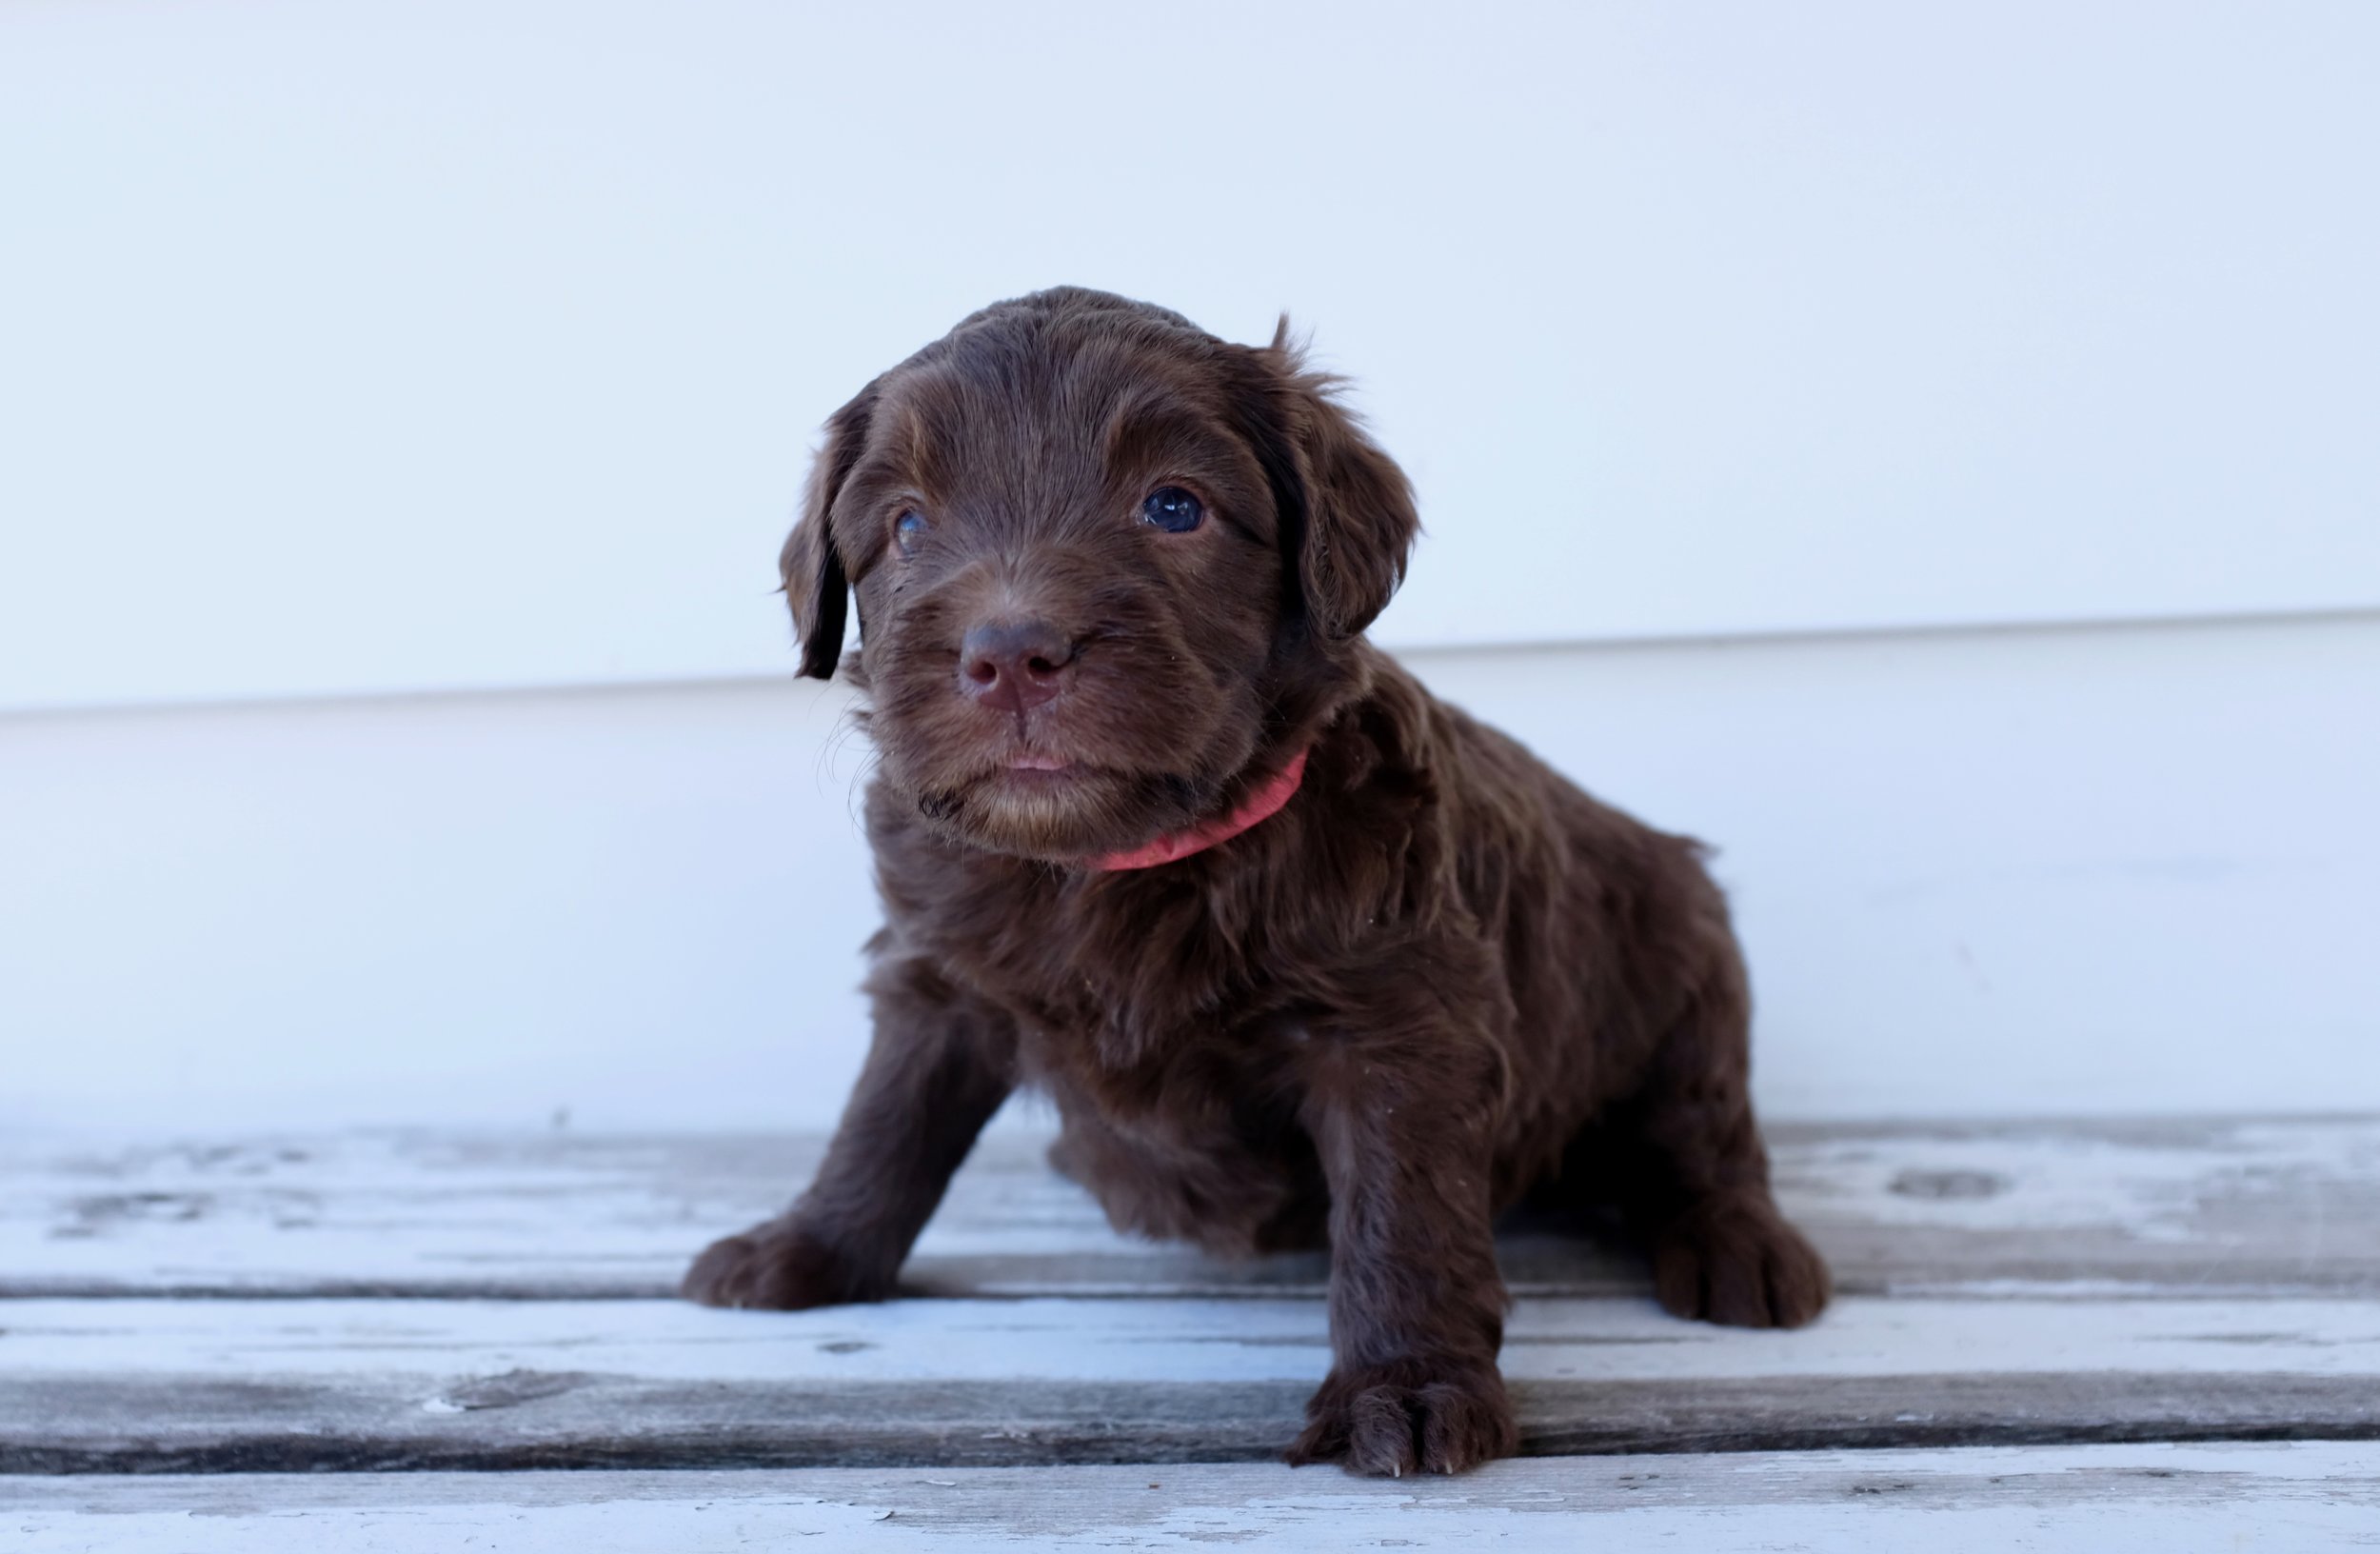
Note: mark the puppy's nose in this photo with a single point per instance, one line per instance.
(1014, 665)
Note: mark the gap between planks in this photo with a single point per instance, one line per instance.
(286, 1386)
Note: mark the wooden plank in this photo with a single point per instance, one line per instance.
(2195, 1208)
(134, 1385)
(2102, 1499)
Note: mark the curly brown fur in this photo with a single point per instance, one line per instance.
(1440, 977)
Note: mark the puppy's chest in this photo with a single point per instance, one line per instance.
(1135, 998)
(1127, 1038)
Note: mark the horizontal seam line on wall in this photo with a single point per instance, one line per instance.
(1753, 640)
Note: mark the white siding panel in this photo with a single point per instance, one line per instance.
(2032, 874)
(390, 346)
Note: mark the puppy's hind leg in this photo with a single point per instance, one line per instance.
(1696, 1174)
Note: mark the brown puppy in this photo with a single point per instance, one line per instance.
(1301, 954)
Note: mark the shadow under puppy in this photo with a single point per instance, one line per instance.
(1302, 955)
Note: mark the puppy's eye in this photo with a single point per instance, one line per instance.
(907, 530)
(1172, 509)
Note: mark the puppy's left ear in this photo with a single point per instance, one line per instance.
(811, 566)
(1347, 518)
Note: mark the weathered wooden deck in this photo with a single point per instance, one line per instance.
(2155, 1334)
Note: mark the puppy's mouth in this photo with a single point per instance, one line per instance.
(1034, 775)
(1043, 803)
(1016, 765)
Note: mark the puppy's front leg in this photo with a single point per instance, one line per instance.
(937, 1069)
(1416, 1303)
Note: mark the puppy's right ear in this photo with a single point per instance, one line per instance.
(810, 564)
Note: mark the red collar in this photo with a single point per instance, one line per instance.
(1263, 801)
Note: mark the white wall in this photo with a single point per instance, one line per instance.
(2030, 872)
(391, 352)
(390, 345)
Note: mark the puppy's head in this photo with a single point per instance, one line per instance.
(1108, 568)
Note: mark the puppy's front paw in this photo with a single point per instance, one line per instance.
(1736, 1262)
(776, 1267)
(1409, 1416)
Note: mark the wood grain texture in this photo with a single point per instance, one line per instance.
(2140, 1208)
(2103, 1499)
(137, 1386)
(433, 1302)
